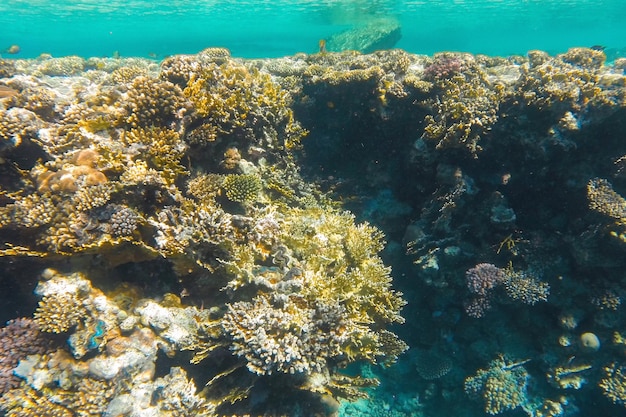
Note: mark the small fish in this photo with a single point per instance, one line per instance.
(13, 49)
(6, 92)
(152, 55)
(116, 55)
(322, 45)
(598, 48)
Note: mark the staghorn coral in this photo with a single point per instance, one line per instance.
(91, 197)
(27, 402)
(30, 211)
(161, 148)
(59, 313)
(522, 286)
(231, 99)
(205, 187)
(502, 386)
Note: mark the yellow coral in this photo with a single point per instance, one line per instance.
(162, 149)
(603, 199)
(59, 312)
(614, 383)
(26, 402)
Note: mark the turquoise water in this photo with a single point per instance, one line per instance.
(276, 28)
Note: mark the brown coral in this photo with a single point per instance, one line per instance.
(153, 102)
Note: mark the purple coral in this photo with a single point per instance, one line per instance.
(483, 278)
(444, 66)
(21, 337)
(478, 306)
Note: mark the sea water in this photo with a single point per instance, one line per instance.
(271, 28)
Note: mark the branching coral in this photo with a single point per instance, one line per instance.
(484, 279)
(162, 149)
(234, 100)
(153, 102)
(502, 386)
(614, 383)
(58, 313)
(466, 103)
(605, 200)
(285, 337)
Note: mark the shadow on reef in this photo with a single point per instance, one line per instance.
(185, 230)
(482, 161)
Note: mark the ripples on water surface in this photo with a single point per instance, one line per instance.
(276, 28)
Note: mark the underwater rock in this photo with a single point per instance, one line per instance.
(372, 36)
(589, 342)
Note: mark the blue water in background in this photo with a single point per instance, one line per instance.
(283, 27)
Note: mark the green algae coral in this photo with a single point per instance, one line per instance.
(502, 386)
(242, 188)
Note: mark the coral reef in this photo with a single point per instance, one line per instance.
(209, 231)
